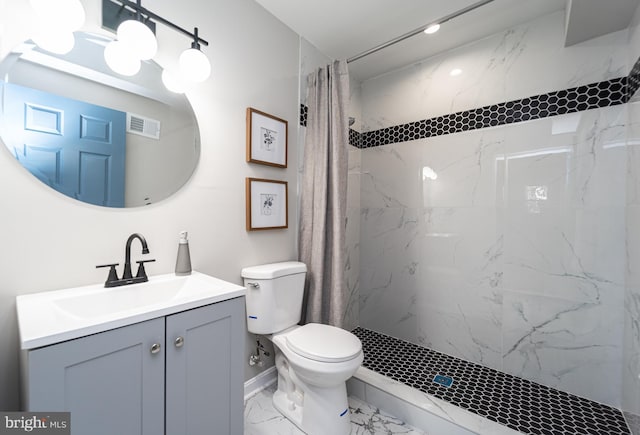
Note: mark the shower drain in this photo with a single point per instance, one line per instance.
(445, 381)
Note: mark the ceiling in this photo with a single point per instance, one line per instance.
(342, 29)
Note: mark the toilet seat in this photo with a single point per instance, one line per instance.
(323, 343)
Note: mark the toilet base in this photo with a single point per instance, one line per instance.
(312, 394)
(322, 411)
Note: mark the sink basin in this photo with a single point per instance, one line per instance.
(54, 316)
(109, 301)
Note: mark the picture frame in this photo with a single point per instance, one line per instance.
(267, 139)
(267, 204)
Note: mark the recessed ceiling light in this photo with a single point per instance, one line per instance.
(455, 72)
(432, 29)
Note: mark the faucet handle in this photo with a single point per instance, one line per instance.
(113, 275)
(141, 272)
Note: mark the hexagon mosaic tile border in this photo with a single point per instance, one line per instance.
(511, 401)
(304, 110)
(634, 80)
(592, 96)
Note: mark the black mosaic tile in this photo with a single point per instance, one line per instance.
(355, 138)
(304, 110)
(511, 401)
(634, 80)
(591, 96)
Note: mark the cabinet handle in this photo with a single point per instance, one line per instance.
(179, 342)
(155, 348)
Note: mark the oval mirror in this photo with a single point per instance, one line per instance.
(94, 135)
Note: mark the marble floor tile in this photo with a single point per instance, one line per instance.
(261, 418)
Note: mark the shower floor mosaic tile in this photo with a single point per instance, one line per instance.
(522, 405)
(261, 418)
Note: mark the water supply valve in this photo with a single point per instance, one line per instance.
(256, 359)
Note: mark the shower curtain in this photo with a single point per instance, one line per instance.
(323, 197)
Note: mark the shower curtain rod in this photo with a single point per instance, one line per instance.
(418, 30)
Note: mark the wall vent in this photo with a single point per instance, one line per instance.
(137, 124)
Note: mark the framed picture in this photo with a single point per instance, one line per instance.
(267, 204)
(266, 139)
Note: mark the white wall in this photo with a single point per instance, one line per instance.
(50, 241)
(468, 264)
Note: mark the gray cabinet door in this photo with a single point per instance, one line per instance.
(204, 374)
(110, 382)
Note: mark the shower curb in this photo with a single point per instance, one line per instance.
(419, 409)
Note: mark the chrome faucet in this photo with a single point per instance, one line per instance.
(127, 278)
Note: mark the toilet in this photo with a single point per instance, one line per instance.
(313, 361)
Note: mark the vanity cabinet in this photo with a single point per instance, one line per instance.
(174, 375)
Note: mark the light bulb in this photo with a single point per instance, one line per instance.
(194, 65)
(66, 15)
(120, 59)
(432, 29)
(54, 40)
(173, 82)
(139, 37)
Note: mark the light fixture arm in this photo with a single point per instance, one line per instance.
(142, 11)
(195, 44)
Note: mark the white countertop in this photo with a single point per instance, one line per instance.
(54, 316)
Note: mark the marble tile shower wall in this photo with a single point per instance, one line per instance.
(631, 354)
(352, 314)
(503, 246)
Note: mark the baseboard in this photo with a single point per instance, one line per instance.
(258, 383)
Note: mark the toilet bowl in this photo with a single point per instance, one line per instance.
(313, 361)
(311, 380)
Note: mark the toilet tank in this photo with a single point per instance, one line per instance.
(274, 296)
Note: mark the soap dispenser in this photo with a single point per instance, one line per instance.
(183, 261)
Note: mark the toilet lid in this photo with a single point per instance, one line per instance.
(323, 343)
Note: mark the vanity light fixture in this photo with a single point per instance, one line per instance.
(135, 28)
(433, 28)
(135, 34)
(68, 15)
(194, 65)
(173, 82)
(54, 40)
(120, 59)
(56, 20)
